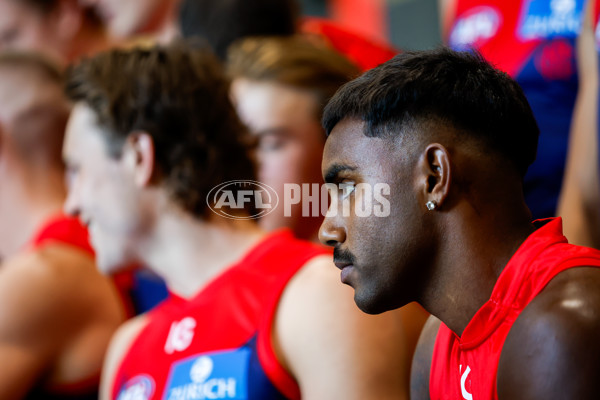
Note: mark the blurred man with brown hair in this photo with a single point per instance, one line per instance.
(251, 314)
(280, 86)
(57, 313)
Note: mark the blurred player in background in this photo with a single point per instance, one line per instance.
(57, 313)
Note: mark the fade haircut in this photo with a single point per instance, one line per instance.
(221, 22)
(293, 61)
(457, 89)
(180, 97)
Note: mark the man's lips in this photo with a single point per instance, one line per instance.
(346, 269)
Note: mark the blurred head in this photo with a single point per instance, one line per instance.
(33, 110)
(435, 126)
(148, 124)
(126, 18)
(222, 22)
(33, 115)
(280, 86)
(46, 26)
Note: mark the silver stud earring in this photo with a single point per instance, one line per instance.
(431, 205)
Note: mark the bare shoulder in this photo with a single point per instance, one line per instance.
(33, 289)
(332, 348)
(553, 351)
(118, 348)
(421, 366)
(53, 286)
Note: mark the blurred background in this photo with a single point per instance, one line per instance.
(407, 24)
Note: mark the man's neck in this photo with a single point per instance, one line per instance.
(188, 252)
(473, 255)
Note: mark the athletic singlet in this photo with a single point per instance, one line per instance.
(217, 345)
(534, 42)
(68, 230)
(465, 367)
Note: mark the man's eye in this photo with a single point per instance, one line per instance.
(271, 143)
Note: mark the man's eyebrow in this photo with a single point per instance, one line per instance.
(330, 176)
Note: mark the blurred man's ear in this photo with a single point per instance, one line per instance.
(138, 154)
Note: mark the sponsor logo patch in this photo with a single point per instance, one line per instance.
(543, 19)
(221, 375)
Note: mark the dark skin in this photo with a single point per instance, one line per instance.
(481, 217)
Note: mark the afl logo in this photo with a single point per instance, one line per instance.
(229, 197)
(474, 28)
(140, 387)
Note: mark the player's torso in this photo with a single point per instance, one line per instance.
(218, 344)
(185, 357)
(465, 368)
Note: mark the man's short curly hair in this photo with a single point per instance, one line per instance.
(180, 97)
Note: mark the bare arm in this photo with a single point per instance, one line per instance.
(552, 351)
(421, 367)
(119, 345)
(37, 319)
(579, 202)
(333, 349)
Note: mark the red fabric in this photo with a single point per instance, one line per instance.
(235, 308)
(64, 229)
(368, 16)
(498, 43)
(363, 52)
(468, 364)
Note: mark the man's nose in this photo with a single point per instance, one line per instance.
(330, 233)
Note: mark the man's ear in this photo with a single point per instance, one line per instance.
(435, 175)
(138, 155)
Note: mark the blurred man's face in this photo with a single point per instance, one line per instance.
(125, 18)
(24, 28)
(101, 190)
(291, 143)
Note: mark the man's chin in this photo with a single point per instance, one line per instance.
(370, 305)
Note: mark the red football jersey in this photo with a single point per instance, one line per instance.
(534, 42)
(217, 345)
(464, 368)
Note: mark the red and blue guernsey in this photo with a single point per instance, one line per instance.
(217, 345)
(534, 42)
(465, 367)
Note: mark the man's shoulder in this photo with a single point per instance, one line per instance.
(56, 285)
(555, 334)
